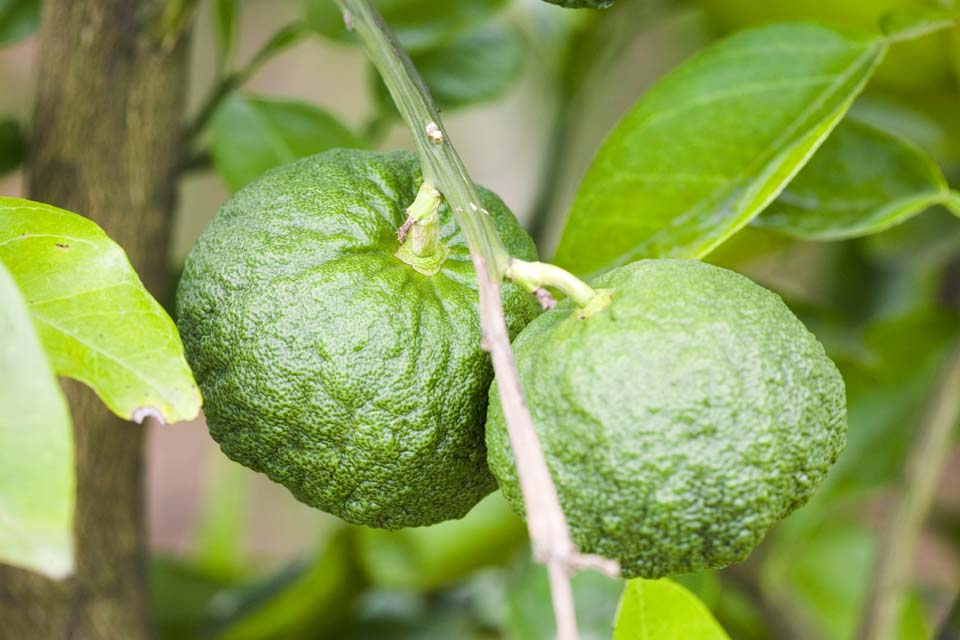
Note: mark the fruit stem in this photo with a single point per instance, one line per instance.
(536, 275)
(420, 234)
(441, 165)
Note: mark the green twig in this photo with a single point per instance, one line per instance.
(221, 90)
(443, 170)
(926, 460)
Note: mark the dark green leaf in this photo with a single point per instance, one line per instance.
(301, 602)
(418, 24)
(36, 447)
(251, 135)
(13, 147)
(860, 182)
(18, 19)
(663, 610)
(181, 597)
(713, 143)
(913, 22)
(481, 65)
(96, 321)
(225, 14)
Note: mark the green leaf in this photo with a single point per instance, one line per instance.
(663, 610)
(96, 321)
(225, 21)
(13, 147)
(953, 202)
(252, 135)
(530, 614)
(860, 182)
(824, 574)
(713, 143)
(305, 601)
(18, 19)
(425, 558)
(908, 23)
(36, 447)
(479, 66)
(419, 24)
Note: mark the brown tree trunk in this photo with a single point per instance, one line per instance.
(106, 144)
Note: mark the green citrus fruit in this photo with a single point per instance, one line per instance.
(681, 421)
(328, 363)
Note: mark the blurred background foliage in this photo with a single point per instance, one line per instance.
(529, 90)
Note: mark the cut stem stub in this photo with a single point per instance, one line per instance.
(419, 235)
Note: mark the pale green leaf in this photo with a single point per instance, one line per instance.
(252, 135)
(908, 23)
(476, 67)
(36, 447)
(714, 142)
(663, 610)
(861, 181)
(419, 24)
(18, 19)
(97, 322)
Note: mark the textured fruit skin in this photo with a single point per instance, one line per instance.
(680, 422)
(326, 362)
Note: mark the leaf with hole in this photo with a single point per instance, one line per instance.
(97, 322)
(251, 135)
(36, 447)
(713, 143)
(860, 182)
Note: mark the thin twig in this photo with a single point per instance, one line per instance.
(229, 83)
(926, 461)
(443, 168)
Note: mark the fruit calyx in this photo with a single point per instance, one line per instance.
(419, 235)
(535, 276)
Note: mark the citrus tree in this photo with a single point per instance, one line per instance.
(378, 334)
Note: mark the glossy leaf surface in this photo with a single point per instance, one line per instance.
(860, 182)
(713, 143)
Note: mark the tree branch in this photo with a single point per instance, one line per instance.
(443, 169)
(926, 461)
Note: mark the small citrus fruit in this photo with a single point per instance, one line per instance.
(680, 421)
(330, 364)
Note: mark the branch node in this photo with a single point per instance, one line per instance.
(434, 133)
